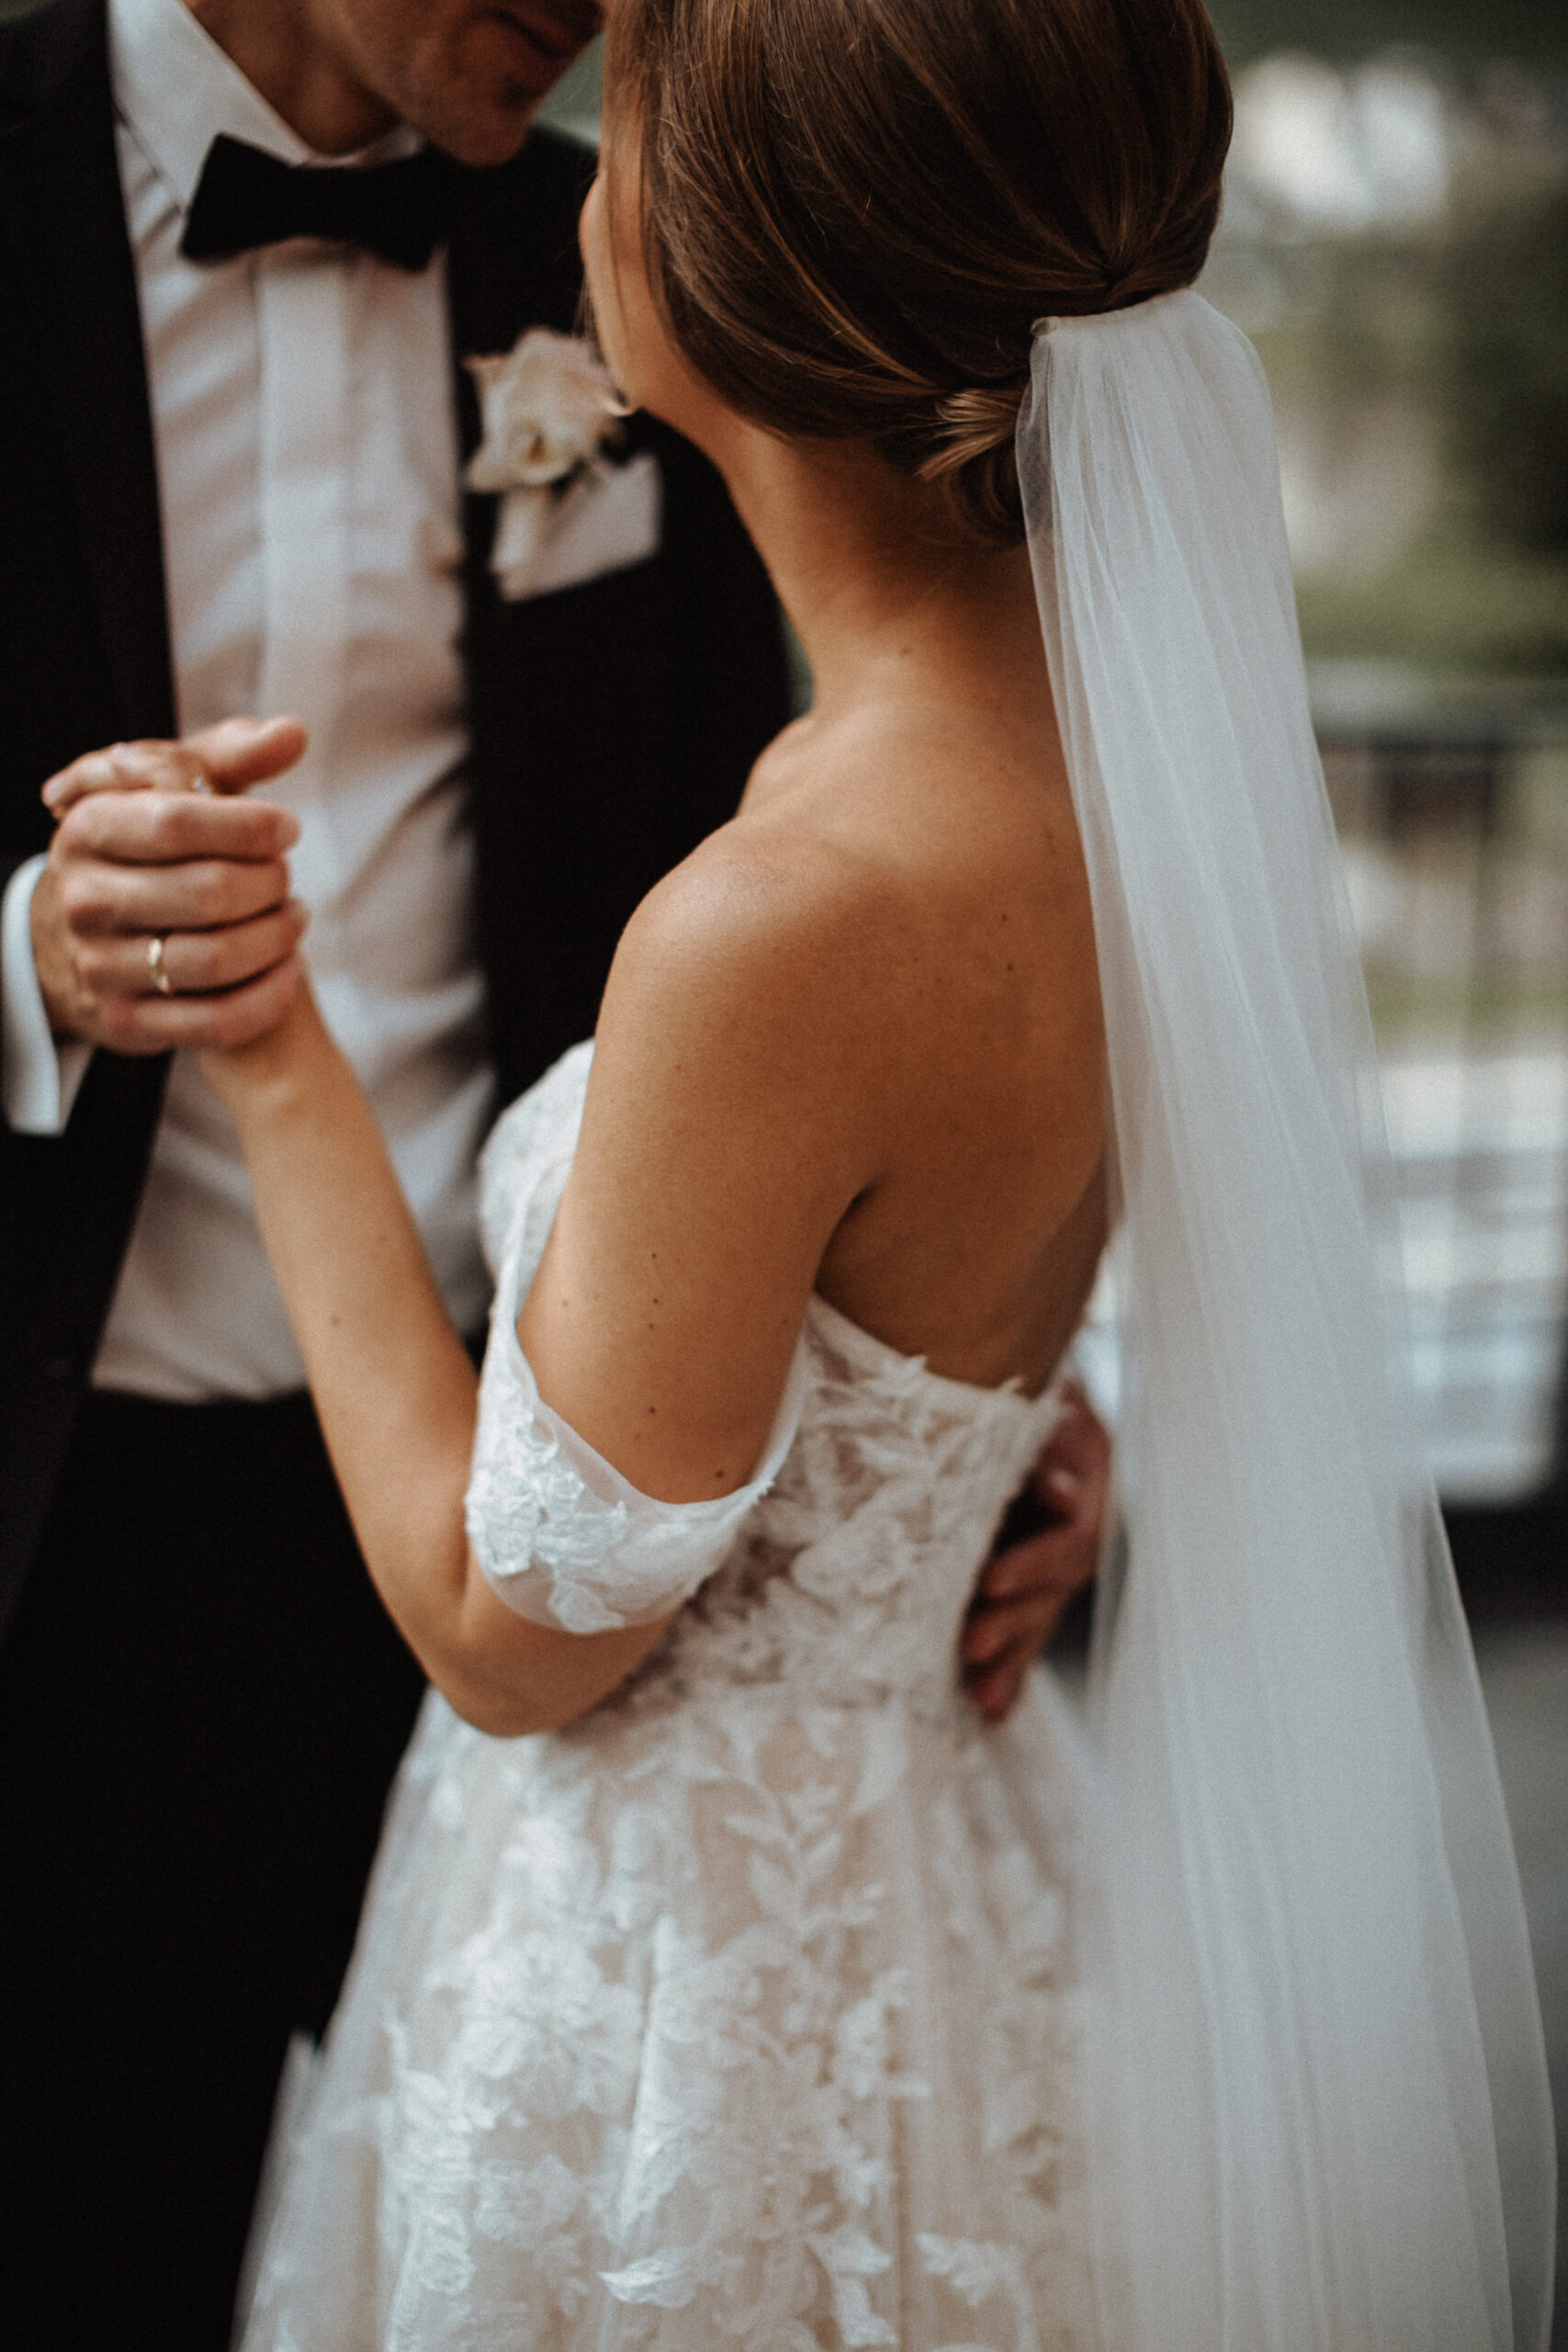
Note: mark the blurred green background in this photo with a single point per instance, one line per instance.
(1396, 240)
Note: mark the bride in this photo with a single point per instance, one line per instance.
(723, 1979)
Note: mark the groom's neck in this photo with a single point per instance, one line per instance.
(286, 51)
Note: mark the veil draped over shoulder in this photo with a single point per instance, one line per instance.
(1319, 2111)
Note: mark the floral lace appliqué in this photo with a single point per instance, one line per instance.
(742, 2013)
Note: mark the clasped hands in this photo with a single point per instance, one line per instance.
(155, 842)
(151, 845)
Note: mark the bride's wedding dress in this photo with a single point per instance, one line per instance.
(743, 2011)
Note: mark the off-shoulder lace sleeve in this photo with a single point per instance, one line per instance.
(560, 1535)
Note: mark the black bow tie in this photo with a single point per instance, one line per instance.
(244, 198)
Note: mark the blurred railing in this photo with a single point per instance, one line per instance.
(1455, 835)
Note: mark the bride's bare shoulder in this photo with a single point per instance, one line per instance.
(886, 891)
(774, 931)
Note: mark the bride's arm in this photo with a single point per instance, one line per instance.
(716, 1157)
(393, 1381)
(737, 1109)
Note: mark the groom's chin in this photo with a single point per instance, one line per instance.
(479, 110)
(479, 138)
(479, 127)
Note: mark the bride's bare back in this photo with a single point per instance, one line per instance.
(853, 1044)
(976, 1243)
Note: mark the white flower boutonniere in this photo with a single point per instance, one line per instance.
(549, 409)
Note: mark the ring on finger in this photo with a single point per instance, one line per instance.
(161, 980)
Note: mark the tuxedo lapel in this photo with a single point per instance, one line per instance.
(512, 263)
(613, 720)
(69, 260)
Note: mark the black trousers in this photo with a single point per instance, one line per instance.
(201, 1705)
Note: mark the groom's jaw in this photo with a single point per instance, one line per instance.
(468, 74)
(475, 72)
(531, 46)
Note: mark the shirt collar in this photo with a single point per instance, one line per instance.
(174, 90)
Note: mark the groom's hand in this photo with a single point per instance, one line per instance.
(1027, 1583)
(149, 846)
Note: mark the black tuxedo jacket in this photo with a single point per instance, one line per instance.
(613, 724)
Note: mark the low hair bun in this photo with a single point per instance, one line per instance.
(974, 458)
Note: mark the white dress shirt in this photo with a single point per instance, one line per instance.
(307, 451)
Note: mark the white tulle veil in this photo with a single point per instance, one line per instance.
(1318, 2104)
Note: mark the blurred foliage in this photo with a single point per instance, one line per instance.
(1507, 332)
(1456, 327)
(1446, 608)
(1529, 32)
(1465, 330)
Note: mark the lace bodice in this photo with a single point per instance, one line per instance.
(741, 2015)
(841, 1570)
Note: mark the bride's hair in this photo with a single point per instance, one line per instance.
(855, 211)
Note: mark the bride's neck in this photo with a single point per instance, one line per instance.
(881, 587)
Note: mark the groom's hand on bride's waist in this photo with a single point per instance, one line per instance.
(164, 917)
(1047, 1551)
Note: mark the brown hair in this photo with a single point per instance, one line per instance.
(855, 211)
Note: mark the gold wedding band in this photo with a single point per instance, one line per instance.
(161, 979)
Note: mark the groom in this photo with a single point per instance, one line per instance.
(231, 481)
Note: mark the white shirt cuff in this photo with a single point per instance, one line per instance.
(38, 1078)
